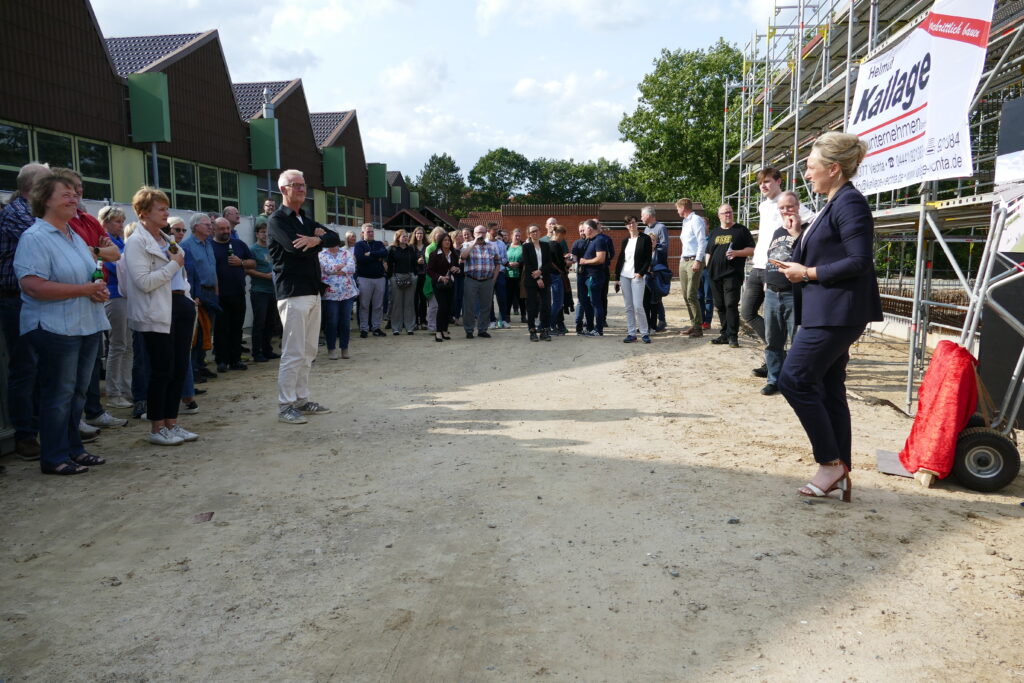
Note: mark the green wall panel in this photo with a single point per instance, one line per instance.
(150, 107)
(335, 173)
(247, 195)
(264, 144)
(319, 206)
(396, 195)
(377, 180)
(414, 200)
(127, 172)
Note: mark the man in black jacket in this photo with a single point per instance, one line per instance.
(295, 243)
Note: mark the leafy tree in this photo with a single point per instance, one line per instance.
(560, 181)
(440, 183)
(498, 176)
(677, 125)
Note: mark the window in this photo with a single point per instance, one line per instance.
(349, 210)
(194, 187)
(229, 185)
(54, 149)
(21, 144)
(163, 168)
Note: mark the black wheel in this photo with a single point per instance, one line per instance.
(976, 420)
(985, 459)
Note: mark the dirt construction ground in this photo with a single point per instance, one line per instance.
(496, 510)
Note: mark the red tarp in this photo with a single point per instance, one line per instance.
(947, 398)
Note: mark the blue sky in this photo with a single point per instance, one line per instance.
(546, 78)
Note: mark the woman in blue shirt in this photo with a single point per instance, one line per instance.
(62, 317)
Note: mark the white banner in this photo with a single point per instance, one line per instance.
(911, 103)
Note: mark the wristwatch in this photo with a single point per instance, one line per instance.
(806, 279)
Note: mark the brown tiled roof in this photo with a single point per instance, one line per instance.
(476, 218)
(249, 96)
(413, 214)
(134, 53)
(441, 215)
(327, 125)
(550, 209)
(393, 177)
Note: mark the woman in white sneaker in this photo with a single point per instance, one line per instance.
(160, 307)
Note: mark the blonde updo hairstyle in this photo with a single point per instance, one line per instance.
(841, 148)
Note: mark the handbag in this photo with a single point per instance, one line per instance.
(402, 280)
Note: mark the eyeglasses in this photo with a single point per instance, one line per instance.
(296, 186)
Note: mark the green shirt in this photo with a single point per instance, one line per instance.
(515, 255)
(263, 265)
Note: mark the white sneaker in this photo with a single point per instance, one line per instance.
(105, 419)
(182, 433)
(86, 430)
(335, 354)
(165, 438)
(492, 326)
(119, 402)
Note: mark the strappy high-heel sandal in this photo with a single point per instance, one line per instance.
(842, 484)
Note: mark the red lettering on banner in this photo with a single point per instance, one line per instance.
(964, 29)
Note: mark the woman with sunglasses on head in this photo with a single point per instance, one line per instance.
(836, 297)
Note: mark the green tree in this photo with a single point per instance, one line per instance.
(677, 125)
(560, 181)
(440, 183)
(497, 177)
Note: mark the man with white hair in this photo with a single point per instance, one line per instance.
(15, 219)
(481, 264)
(295, 243)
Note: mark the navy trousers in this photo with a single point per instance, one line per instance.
(813, 380)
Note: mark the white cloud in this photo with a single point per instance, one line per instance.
(593, 14)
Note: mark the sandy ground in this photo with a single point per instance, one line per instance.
(499, 510)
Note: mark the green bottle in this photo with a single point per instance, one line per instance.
(97, 275)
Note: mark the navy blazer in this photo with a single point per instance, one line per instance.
(840, 244)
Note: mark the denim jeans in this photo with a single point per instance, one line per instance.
(593, 287)
(337, 322)
(501, 293)
(557, 292)
(22, 389)
(751, 300)
(778, 328)
(707, 301)
(580, 294)
(63, 381)
(264, 313)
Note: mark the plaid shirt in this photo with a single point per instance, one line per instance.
(482, 260)
(15, 219)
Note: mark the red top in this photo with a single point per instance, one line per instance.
(88, 228)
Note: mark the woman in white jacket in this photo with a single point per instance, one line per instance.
(160, 307)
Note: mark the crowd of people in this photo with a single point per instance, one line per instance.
(144, 302)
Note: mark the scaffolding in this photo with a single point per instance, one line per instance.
(798, 80)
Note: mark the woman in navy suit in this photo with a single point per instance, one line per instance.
(836, 297)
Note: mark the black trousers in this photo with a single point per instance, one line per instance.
(168, 360)
(227, 330)
(538, 298)
(420, 301)
(604, 298)
(813, 380)
(444, 307)
(726, 292)
(264, 319)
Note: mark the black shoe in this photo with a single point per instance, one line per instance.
(201, 379)
(544, 336)
(661, 327)
(272, 356)
(761, 371)
(533, 336)
(378, 333)
(721, 339)
(239, 366)
(469, 335)
(734, 343)
(259, 359)
(408, 331)
(206, 372)
(222, 367)
(199, 392)
(769, 389)
(396, 333)
(139, 409)
(484, 335)
(363, 334)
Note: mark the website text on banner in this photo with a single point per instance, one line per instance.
(911, 102)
